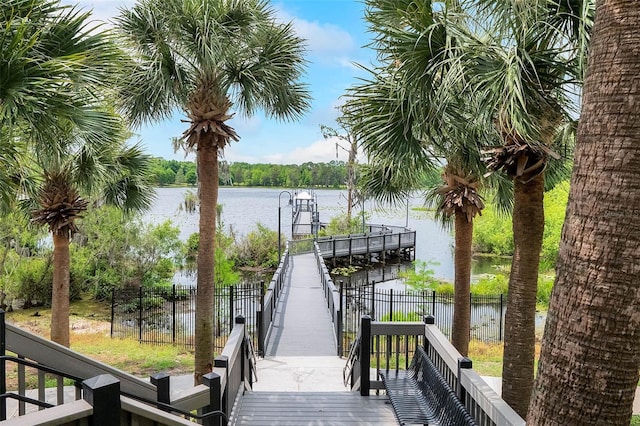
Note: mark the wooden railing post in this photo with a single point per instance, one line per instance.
(212, 381)
(463, 363)
(103, 393)
(162, 384)
(428, 319)
(339, 324)
(365, 355)
(222, 361)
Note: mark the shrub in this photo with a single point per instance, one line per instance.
(421, 277)
(258, 249)
(339, 225)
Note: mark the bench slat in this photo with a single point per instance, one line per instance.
(421, 395)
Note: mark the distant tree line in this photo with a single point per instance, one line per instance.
(328, 175)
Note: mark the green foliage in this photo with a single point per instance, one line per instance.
(555, 206)
(112, 251)
(491, 285)
(493, 234)
(32, 282)
(545, 285)
(339, 225)
(258, 249)
(327, 175)
(173, 172)
(403, 316)
(421, 277)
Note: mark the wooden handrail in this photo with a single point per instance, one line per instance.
(60, 358)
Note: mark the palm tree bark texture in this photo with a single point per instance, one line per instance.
(60, 291)
(519, 334)
(208, 176)
(462, 299)
(589, 363)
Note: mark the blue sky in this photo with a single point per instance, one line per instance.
(336, 33)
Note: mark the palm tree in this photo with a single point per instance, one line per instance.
(48, 51)
(394, 114)
(519, 63)
(209, 58)
(55, 67)
(70, 169)
(523, 66)
(589, 364)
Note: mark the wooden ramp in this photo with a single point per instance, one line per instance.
(313, 408)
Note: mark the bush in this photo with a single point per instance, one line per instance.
(421, 277)
(491, 285)
(258, 249)
(403, 317)
(339, 225)
(492, 233)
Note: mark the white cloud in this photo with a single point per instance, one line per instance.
(321, 151)
(323, 39)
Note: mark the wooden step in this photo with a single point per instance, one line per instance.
(314, 408)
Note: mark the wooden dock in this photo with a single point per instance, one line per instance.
(380, 243)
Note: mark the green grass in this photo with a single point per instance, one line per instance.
(90, 336)
(635, 421)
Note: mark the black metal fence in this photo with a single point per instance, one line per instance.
(487, 312)
(166, 315)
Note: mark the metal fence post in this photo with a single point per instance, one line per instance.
(365, 355)
(113, 308)
(140, 312)
(173, 313)
(433, 302)
(222, 361)
(373, 299)
(500, 319)
(103, 393)
(339, 327)
(231, 305)
(3, 377)
(463, 363)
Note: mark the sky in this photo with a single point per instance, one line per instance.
(335, 33)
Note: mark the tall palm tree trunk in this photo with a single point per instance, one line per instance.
(208, 169)
(60, 293)
(589, 363)
(519, 336)
(462, 299)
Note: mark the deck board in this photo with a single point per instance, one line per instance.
(314, 408)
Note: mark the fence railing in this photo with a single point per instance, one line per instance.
(347, 303)
(487, 312)
(167, 315)
(378, 242)
(105, 395)
(387, 345)
(269, 301)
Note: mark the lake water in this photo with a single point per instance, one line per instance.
(243, 208)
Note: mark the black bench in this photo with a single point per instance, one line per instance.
(420, 395)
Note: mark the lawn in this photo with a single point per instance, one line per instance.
(90, 335)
